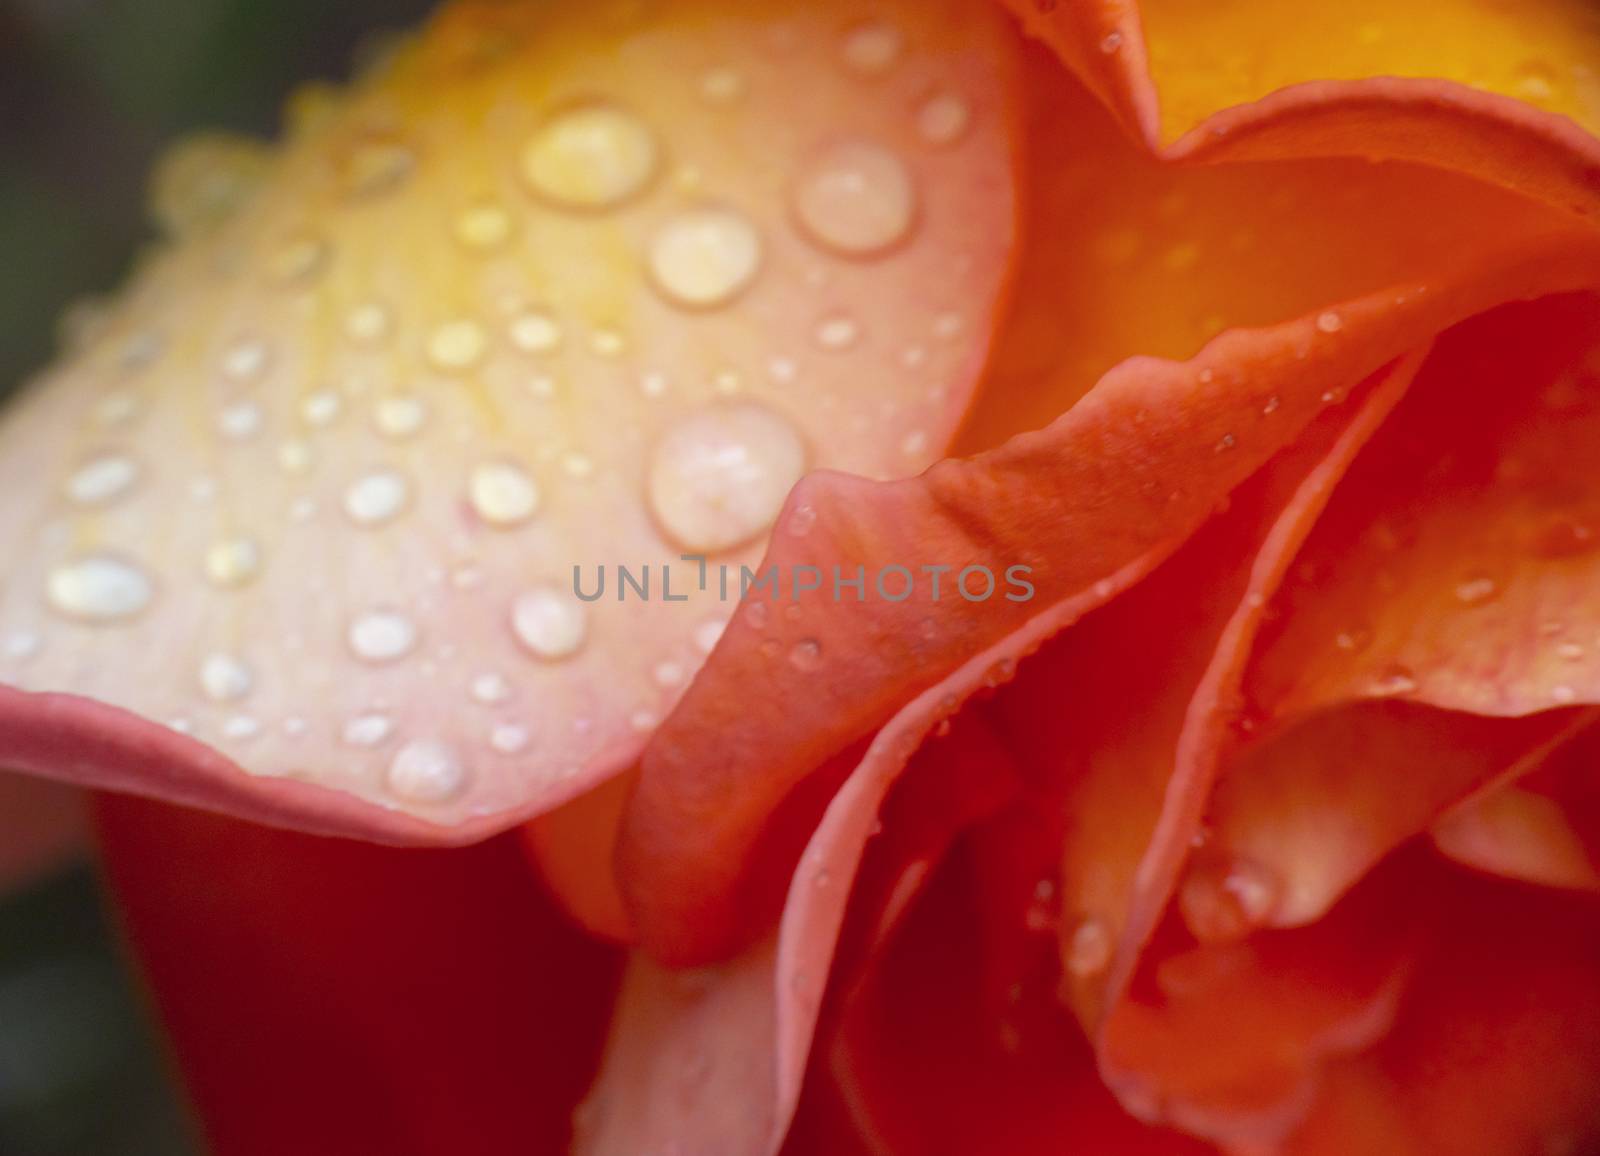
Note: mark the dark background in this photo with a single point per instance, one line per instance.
(90, 93)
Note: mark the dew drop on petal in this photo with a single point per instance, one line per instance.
(381, 636)
(593, 156)
(377, 498)
(708, 634)
(1226, 901)
(424, 771)
(503, 493)
(872, 47)
(1089, 949)
(368, 730)
(225, 678)
(483, 227)
(99, 588)
(534, 332)
(549, 623)
(509, 738)
(400, 417)
(856, 199)
(943, 118)
(232, 562)
(705, 257)
(102, 480)
(719, 477)
(1330, 322)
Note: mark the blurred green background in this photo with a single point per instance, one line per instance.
(90, 93)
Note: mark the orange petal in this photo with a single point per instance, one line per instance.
(1541, 826)
(551, 286)
(324, 996)
(573, 847)
(1079, 502)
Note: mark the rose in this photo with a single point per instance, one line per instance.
(1308, 627)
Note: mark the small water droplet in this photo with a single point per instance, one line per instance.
(1395, 680)
(806, 655)
(102, 480)
(377, 498)
(705, 257)
(241, 421)
(708, 634)
(509, 738)
(381, 636)
(503, 493)
(491, 688)
(457, 346)
(245, 360)
(1564, 695)
(241, 727)
(1224, 901)
(943, 118)
(376, 165)
(1330, 322)
(719, 477)
(321, 408)
(1089, 949)
(856, 199)
(837, 331)
(549, 623)
(399, 417)
(872, 47)
(721, 85)
(534, 332)
(368, 323)
(483, 227)
(225, 678)
(1476, 590)
(669, 674)
(232, 562)
(802, 520)
(593, 156)
(1110, 43)
(99, 588)
(424, 771)
(368, 730)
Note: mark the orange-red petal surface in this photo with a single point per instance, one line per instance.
(552, 286)
(331, 998)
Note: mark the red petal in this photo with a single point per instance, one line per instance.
(330, 998)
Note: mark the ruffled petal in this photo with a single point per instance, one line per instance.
(553, 287)
(330, 997)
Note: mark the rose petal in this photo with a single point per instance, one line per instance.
(41, 827)
(324, 996)
(316, 492)
(1497, 1046)
(1540, 824)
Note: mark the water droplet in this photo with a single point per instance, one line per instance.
(509, 738)
(225, 678)
(1354, 640)
(705, 257)
(321, 408)
(457, 346)
(837, 332)
(856, 199)
(534, 332)
(483, 227)
(943, 118)
(806, 655)
(295, 456)
(503, 493)
(116, 409)
(1563, 695)
(607, 343)
(1394, 680)
(1110, 43)
(381, 636)
(424, 771)
(1330, 322)
(368, 323)
(593, 156)
(99, 588)
(802, 520)
(241, 421)
(719, 477)
(245, 361)
(241, 726)
(21, 645)
(1564, 538)
(1476, 590)
(400, 417)
(872, 47)
(549, 623)
(1089, 949)
(232, 562)
(377, 498)
(1224, 901)
(377, 165)
(491, 688)
(102, 480)
(721, 85)
(298, 261)
(368, 730)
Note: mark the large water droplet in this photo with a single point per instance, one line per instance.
(705, 257)
(550, 623)
(719, 477)
(424, 771)
(99, 588)
(856, 199)
(503, 493)
(593, 156)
